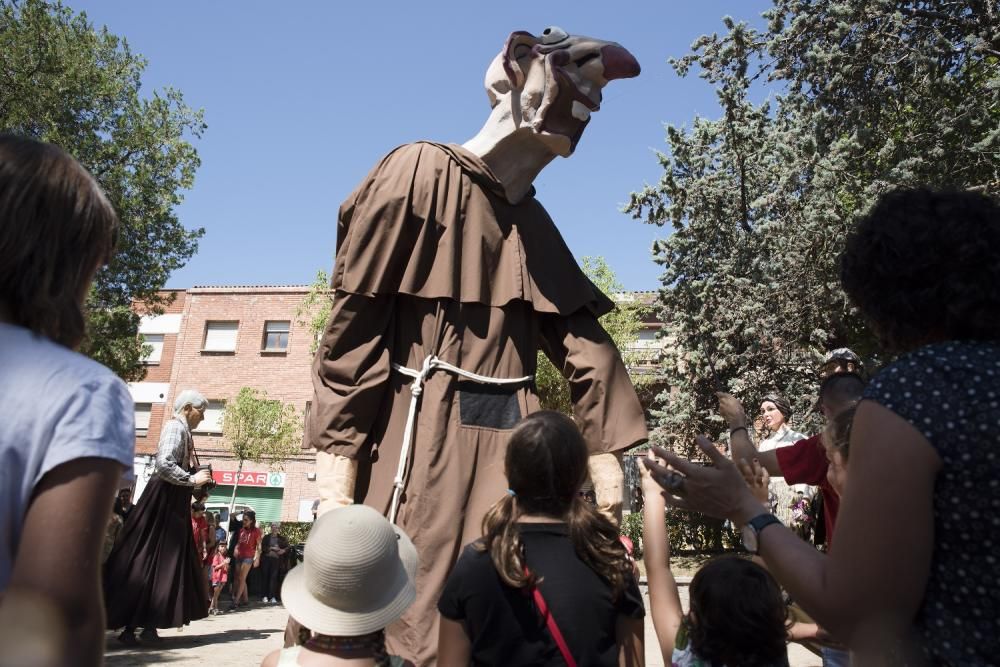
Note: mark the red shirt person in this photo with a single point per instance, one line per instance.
(803, 462)
(199, 526)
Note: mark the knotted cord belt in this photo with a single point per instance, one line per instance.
(431, 364)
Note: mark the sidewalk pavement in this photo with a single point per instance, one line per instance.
(242, 639)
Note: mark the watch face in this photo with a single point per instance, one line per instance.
(749, 539)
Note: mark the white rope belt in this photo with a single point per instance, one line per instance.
(431, 363)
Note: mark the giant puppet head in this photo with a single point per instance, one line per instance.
(552, 83)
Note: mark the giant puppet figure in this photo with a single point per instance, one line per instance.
(449, 276)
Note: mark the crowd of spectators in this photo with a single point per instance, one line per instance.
(906, 470)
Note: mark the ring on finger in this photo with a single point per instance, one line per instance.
(673, 481)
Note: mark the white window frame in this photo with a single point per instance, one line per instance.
(156, 354)
(142, 422)
(217, 336)
(267, 332)
(212, 423)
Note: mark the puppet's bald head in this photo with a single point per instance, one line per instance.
(552, 83)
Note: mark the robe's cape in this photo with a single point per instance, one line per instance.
(395, 236)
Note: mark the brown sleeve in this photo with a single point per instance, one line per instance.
(350, 372)
(605, 404)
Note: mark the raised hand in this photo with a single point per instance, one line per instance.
(731, 410)
(717, 490)
(757, 478)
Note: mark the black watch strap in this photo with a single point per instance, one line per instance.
(762, 521)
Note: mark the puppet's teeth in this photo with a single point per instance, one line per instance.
(580, 112)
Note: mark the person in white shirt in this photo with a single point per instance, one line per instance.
(68, 422)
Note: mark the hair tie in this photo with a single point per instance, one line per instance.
(511, 492)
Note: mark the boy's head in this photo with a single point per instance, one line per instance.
(197, 509)
(839, 392)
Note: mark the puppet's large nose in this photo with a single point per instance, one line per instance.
(618, 63)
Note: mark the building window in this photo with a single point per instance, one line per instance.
(142, 411)
(305, 426)
(155, 341)
(276, 335)
(214, 413)
(220, 336)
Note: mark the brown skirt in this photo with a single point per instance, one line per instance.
(154, 577)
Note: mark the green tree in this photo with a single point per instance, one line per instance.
(66, 82)
(260, 429)
(858, 98)
(622, 324)
(314, 311)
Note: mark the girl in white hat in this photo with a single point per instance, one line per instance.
(356, 578)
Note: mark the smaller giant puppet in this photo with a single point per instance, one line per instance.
(449, 276)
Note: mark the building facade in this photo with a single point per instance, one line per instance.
(218, 340)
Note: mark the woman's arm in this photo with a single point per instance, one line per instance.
(454, 647)
(56, 573)
(664, 600)
(865, 590)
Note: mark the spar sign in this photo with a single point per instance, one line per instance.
(229, 478)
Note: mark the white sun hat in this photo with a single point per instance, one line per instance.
(355, 577)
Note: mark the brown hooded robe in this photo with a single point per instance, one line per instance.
(432, 259)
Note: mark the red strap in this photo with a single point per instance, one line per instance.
(550, 621)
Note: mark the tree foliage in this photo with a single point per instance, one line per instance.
(861, 97)
(260, 429)
(66, 82)
(622, 324)
(314, 311)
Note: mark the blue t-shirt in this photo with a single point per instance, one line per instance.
(57, 406)
(950, 392)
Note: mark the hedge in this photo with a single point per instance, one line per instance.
(689, 533)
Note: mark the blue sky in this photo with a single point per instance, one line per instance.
(302, 98)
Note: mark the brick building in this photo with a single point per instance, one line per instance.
(219, 339)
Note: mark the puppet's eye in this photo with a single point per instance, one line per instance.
(553, 34)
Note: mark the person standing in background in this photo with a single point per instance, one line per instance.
(273, 549)
(154, 577)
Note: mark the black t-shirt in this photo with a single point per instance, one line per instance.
(503, 624)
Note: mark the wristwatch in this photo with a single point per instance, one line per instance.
(752, 530)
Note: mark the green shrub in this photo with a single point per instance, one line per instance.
(296, 532)
(689, 532)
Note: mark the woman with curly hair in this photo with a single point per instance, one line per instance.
(549, 583)
(923, 268)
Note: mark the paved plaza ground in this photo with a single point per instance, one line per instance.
(243, 638)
